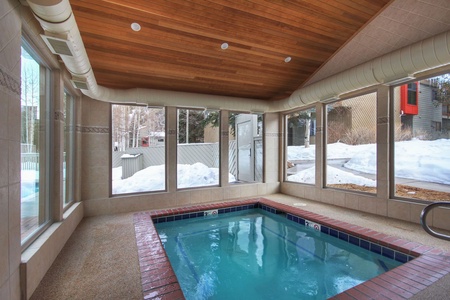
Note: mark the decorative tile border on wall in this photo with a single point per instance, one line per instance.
(383, 120)
(92, 129)
(59, 116)
(423, 265)
(9, 83)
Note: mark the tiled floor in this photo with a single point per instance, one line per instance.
(159, 280)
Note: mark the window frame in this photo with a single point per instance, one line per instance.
(219, 183)
(30, 47)
(313, 128)
(392, 147)
(436, 126)
(111, 150)
(258, 137)
(70, 170)
(325, 184)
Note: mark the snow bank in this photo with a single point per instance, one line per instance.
(153, 178)
(334, 176)
(420, 160)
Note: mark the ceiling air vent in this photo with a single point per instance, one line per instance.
(57, 45)
(80, 83)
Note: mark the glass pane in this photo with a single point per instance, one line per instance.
(412, 93)
(422, 143)
(34, 124)
(69, 137)
(245, 151)
(198, 148)
(351, 144)
(301, 146)
(138, 144)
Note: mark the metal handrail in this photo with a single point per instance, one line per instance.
(423, 220)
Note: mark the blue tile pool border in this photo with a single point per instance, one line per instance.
(344, 236)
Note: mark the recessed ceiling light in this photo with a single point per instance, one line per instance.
(224, 46)
(287, 59)
(135, 26)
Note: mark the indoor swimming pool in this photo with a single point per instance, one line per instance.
(258, 252)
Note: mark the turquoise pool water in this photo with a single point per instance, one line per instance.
(254, 254)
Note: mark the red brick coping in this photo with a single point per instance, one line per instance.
(160, 282)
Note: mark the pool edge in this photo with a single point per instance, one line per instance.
(430, 264)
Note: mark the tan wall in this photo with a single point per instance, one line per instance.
(363, 110)
(95, 150)
(10, 149)
(211, 134)
(20, 272)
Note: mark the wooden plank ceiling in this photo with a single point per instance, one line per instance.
(179, 45)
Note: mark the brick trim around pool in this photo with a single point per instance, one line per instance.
(428, 266)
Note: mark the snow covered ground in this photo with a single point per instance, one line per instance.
(415, 159)
(153, 178)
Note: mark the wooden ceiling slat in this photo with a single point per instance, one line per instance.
(210, 64)
(135, 66)
(370, 7)
(227, 25)
(252, 39)
(180, 85)
(291, 15)
(178, 47)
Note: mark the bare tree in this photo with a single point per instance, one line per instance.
(131, 123)
(442, 91)
(29, 101)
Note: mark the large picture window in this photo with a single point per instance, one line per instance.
(69, 148)
(197, 148)
(422, 140)
(138, 149)
(245, 149)
(301, 146)
(351, 144)
(35, 141)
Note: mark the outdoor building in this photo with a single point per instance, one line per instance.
(349, 119)
(426, 115)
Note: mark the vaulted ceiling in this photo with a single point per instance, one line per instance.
(179, 44)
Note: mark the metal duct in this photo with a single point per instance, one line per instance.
(57, 19)
(390, 68)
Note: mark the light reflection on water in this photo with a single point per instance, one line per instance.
(256, 255)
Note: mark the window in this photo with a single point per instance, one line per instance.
(410, 98)
(446, 111)
(351, 144)
(198, 156)
(138, 149)
(421, 168)
(69, 148)
(35, 141)
(301, 146)
(245, 148)
(436, 126)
